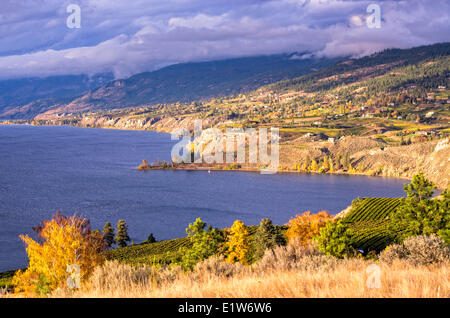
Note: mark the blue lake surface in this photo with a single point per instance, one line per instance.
(92, 172)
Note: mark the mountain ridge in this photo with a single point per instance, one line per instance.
(184, 82)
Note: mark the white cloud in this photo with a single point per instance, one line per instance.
(128, 37)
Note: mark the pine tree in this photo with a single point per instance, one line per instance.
(122, 234)
(108, 234)
(151, 238)
(267, 237)
(419, 214)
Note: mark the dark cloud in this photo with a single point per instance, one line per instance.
(127, 37)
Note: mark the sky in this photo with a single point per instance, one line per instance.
(126, 37)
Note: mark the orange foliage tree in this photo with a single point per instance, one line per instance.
(238, 243)
(64, 244)
(304, 227)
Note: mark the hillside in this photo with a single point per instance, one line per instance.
(176, 83)
(23, 98)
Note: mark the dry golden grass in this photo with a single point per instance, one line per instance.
(286, 271)
(346, 278)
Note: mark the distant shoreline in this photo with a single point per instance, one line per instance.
(205, 168)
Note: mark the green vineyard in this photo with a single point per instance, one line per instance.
(373, 209)
(158, 252)
(369, 222)
(147, 253)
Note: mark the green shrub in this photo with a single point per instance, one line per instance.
(335, 239)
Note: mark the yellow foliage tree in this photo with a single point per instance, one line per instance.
(67, 247)
(304, 227)
(325, 165)
(331, 164)
(238, 243)
(314, 166)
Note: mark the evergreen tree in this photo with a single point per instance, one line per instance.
(419, 214)
(420, 188)
(151, 238)
(122, 234)
(108, 234)
(267, 237)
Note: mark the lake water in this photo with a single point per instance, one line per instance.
(92, 172)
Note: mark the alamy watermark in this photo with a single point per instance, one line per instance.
(74, 278)
(374, 276)
(214, 146)
(373, 21)
(74, 19)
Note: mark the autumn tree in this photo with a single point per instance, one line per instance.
(304, 227)
(314, 166)
(325, 164)
(238, 243)
(64, 243)
(108, 235)
(331, 164)
(122, 234)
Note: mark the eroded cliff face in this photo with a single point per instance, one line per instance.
(431, 158)
(164, 123)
